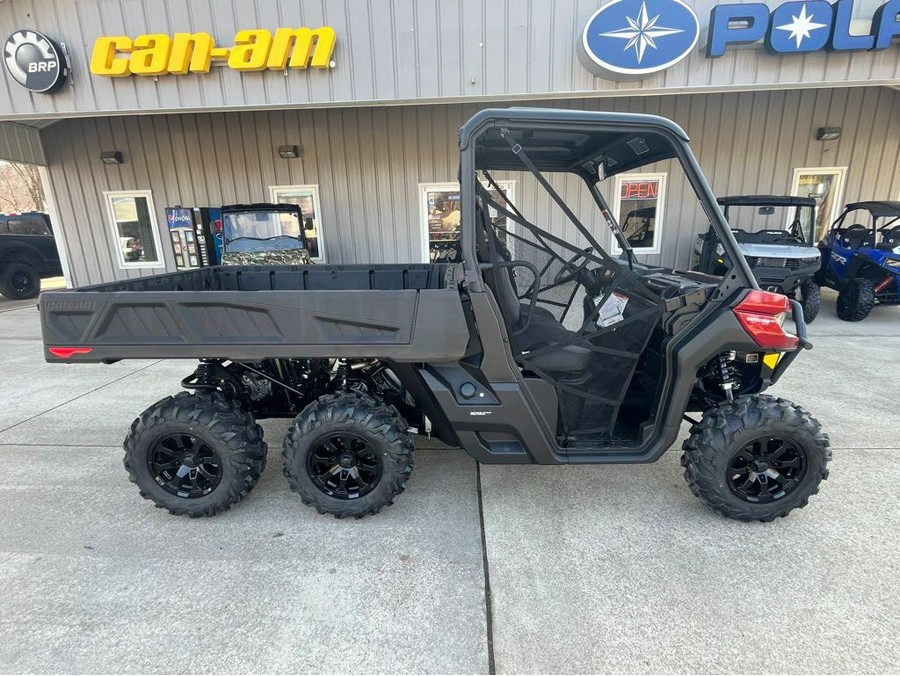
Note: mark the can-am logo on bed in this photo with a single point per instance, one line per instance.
(35, 61)
(639, 37)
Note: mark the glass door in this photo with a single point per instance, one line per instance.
(826, 186)
(440, 213)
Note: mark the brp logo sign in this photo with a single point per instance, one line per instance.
(639, 37)
(35, 61)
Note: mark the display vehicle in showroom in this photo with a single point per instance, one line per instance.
(776, 235)
(531, 350)
(861, 258)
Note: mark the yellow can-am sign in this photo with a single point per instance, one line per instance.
(159, 54)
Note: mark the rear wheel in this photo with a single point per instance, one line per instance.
(810, 299)
(20, 281)
(195, 454)
(756, 458)
(348, 455)
(856, 299)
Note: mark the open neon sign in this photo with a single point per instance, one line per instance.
(640, 190)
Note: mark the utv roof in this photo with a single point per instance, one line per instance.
(556, 139)
(766, 201)
(262, 206)
(878, 208)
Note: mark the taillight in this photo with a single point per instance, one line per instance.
(66, 352)
(762, 315)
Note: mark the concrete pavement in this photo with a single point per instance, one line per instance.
(591, 569)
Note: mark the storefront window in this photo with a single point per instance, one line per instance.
(826, 186)
(134, 229)
(441, 218)
(307, 198)
(639, 202)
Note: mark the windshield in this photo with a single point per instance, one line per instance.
(784, 222)
(250, 230)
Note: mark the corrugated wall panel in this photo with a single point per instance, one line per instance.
(369, 162)
(21, 144)
(393, 50)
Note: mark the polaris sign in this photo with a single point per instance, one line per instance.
(626, 38)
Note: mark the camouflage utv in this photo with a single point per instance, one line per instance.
(264, 234)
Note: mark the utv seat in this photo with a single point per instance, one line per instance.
(855, 236)
(568, 352)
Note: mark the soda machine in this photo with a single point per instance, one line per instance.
(196, 236)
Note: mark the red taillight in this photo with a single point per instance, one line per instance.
(761, 314)
(66, 352)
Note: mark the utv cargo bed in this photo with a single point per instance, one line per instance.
(407, 314)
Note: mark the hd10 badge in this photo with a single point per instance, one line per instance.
(639, 37)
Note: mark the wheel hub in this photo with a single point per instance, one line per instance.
(185, 465)
(766, 469)
(343, 465)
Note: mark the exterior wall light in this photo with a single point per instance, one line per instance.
(289, 152)
(113, 157)
(828, 133)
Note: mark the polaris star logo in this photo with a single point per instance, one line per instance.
(639, 37)
(35, 61)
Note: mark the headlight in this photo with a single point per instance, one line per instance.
(892, 262)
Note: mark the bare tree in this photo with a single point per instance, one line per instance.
(21, 188)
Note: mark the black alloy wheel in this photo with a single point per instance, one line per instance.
(767, 469)
(343, 466)
(185, 465)
(23, 283)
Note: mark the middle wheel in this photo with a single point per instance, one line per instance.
(348, 455)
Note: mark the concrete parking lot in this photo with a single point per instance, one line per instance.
(520, 569)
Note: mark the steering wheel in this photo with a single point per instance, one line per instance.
(570, 271)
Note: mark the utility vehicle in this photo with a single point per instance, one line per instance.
(776, 235)
(27, 253)
(861, 258)
(535, 348)
(270, 234)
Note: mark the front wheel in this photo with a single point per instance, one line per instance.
(856, 299)
(20, 281)
(756, 458)
(810, 300)
(348, 455)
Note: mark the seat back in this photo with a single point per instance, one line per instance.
(498, 279)
(854, 236)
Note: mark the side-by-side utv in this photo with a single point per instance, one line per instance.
(535, 348)
(776, 235)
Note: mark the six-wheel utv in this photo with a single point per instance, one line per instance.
(776, 235)
(861, 258)
(535, 348)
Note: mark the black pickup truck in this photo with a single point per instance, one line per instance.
(27, 253)
(531, 349)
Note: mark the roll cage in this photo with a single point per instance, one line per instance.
(591, 145)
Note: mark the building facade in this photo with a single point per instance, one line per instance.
(194, 102)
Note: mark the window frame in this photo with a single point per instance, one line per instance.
(841, 184)
(160, 262)
(313, 189)
(658, 227)
(508, 187)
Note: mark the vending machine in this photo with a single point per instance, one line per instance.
(196, 236)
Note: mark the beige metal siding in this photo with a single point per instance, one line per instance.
(368, 163)
(392, 50)
(20, 144)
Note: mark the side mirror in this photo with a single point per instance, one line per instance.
(309, 224)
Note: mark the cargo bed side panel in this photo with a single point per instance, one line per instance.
(404, 325)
